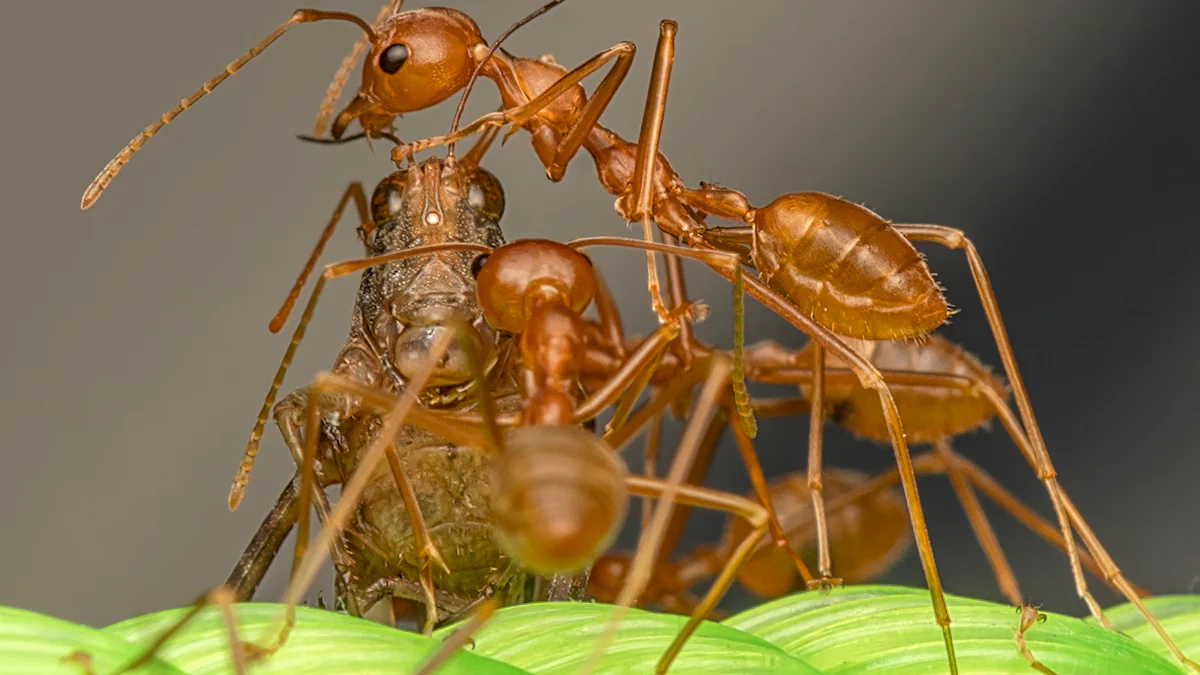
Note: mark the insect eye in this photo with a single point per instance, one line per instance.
(485, 195)
(478, 264)
(393, 58)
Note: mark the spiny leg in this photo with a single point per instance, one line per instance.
(428, 552)
(1040, 458)
(98, 185)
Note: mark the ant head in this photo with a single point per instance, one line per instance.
(515, 277)
(417, 59)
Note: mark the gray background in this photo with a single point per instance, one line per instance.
(1061, 136)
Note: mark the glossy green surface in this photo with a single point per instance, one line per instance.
(35, 644)
(881, 629)
(851, 631)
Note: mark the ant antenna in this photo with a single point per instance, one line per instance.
(462, 102)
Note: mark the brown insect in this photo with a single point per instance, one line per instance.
(557, 492)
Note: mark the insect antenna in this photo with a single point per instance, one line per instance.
(98, 185)
(462, 102)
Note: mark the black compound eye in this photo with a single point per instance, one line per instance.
(393, 58)
(478, 264)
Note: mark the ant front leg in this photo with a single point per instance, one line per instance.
(554, 148)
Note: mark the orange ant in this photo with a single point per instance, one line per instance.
(831, 268)
(868, 528)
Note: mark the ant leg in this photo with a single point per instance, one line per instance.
(334, 91)
(719, 369)
(696, 496)
(609, 316)
(1027, 517)
(647, 147)
(815, 488)
(355, 192)
(686, 347)
(222, 597)
(475, 155)
(520, 115)
(870, 378)
(98, 185)
(1040, 459)
(248, 573)
(763, 492)
(695, 476)
(984, 533)
(1029, 616)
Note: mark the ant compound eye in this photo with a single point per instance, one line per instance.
(478, 265)
(393, 58)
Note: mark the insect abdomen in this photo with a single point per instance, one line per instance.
(846, 267)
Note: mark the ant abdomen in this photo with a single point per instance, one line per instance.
(558, 497)
(846, 267)
(930, 411)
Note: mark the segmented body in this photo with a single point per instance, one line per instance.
(846, 267)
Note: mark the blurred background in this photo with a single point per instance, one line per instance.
(1060, 136)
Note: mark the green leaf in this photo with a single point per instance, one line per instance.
(321, 643)
(882, 629)
(1178, 614)
(33, 644)
(557, 638)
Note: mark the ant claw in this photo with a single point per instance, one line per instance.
(825, 584)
